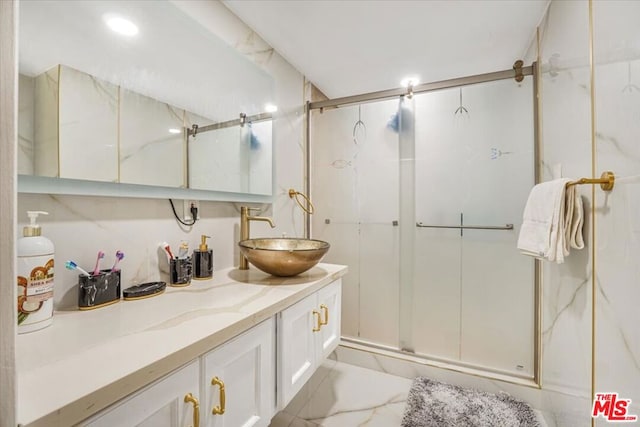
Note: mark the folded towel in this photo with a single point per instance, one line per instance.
(552, 221)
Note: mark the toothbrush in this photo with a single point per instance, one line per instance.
(96, 269)
(168, 249)
(73, 266)
(183, 250)
(119, 256)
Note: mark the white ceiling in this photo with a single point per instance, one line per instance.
(356, 46)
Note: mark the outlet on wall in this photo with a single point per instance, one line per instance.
(186, 209)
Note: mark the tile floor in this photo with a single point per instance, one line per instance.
(340, 395)
(345, 395)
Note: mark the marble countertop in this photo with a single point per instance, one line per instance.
(87, 360)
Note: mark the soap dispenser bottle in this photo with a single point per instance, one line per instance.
(35, 277)
(203, 260)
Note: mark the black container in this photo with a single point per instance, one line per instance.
(180, 271)
(98, 290)
(203, 264)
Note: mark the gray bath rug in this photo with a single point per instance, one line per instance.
(435, 404)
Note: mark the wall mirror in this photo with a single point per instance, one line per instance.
(110, 91)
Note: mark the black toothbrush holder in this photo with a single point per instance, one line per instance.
(98, 290)
(180, 271)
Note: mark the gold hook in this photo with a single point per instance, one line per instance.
(309, 208)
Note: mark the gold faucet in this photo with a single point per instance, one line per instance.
(245, 219)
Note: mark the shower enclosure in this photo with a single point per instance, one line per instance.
(422, 196)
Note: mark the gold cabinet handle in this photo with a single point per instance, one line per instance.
(325, 310)
(318, 321)
(219, 410)
(196, 408)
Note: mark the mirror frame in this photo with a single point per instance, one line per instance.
(76, 187)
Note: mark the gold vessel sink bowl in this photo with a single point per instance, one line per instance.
(283, 256)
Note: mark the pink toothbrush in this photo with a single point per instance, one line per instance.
(96, 269)
(168, 249)
(119, 256)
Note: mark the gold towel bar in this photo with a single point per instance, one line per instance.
(606, 181)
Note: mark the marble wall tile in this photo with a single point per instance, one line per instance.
(218, 19)
(288, 149)
(26, 124)
(88, 120)
(566, 328)
(617, 358)
(150, 153)
(566, 151)
(46, 162)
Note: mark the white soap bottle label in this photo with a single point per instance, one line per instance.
(35, 292)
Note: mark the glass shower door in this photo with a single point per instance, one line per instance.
(355, 190)
(397, 185)
(474, 168)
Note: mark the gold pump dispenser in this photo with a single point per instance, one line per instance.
(203, 243)
(203, 260)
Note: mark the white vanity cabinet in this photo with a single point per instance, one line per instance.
(239, 380)
(231, 386)
(330, 303)
(169, 402)
(308, 332)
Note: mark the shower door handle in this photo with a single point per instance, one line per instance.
(468, 227)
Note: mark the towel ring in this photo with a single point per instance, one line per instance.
(309, 208)
(606, 181)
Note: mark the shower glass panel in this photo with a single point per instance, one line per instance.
(456, 157)
(355, 189)
(474, 167)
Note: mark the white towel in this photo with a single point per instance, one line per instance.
(552, 221)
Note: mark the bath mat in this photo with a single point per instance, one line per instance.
(435, 404)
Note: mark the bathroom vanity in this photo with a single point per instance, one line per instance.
(228, 351)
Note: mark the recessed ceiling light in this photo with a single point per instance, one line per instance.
(413, 80)
(121, 25)
(175, 131)
(270, 108)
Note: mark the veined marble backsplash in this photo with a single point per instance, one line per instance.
(80, 226)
